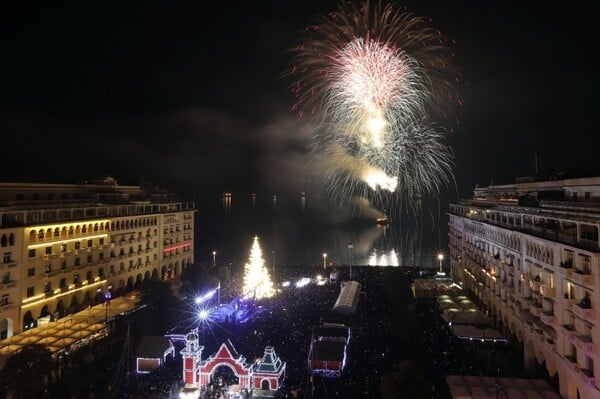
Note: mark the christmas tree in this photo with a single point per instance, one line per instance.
(257, 282)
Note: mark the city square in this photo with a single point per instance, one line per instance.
(299, 199)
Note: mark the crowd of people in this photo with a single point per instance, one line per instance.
(388, 329)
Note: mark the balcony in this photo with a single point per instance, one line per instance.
(582, 278)
(565, 272)
(588, 377)
(548, 291)
(51, 273)
(568, 330)
(583, 312)
(568, 303)
(584, 342)
(572, 363)
(549, 344)
(548, 317)
(535, 308)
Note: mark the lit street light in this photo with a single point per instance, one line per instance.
(324, 261)
(214, 258)
(440, 258)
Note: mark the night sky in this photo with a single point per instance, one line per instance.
(192, 96)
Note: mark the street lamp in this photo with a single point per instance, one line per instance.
(107, 298)
(214, 258)
(350, 248)
(324, 260)
(440, 258)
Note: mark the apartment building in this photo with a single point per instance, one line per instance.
(531, 252)
(67, 246)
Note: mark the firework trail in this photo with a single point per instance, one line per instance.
(377, 78)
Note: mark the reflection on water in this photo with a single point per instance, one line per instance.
(293, 233)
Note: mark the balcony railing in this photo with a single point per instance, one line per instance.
(582, 278)
(572, 362)
(588, 376)
(584, 342)
(567, 302)
(548, 317)
(568, 330)
(565, 272)
(583, 312)
(548, 291)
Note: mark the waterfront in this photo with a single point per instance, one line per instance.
(294, 233)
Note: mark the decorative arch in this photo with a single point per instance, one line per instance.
(60, 308)
(129, 286)
(226, 356)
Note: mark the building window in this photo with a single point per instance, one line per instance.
(101, 256)
(63, 282)
(4, 300)
(48, 269)
(63, 264)
(47, 286)
(30, 292)
(31, 272)
(32, 253)
(77, 245)
(101, 241)
(49, 250)
(101, 272)
(90, 243)
(88, 276)
(7, 257)
(112, 268)
(77, 262)
(89, 259)
(20, 197)
(6, 278)
(76, 279)
(63, 247)
(122, 266)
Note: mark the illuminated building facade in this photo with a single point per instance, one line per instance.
(66, 247)
(531, 252)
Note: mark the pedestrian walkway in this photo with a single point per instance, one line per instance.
(72, 331)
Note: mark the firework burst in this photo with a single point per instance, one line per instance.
(377, 78)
